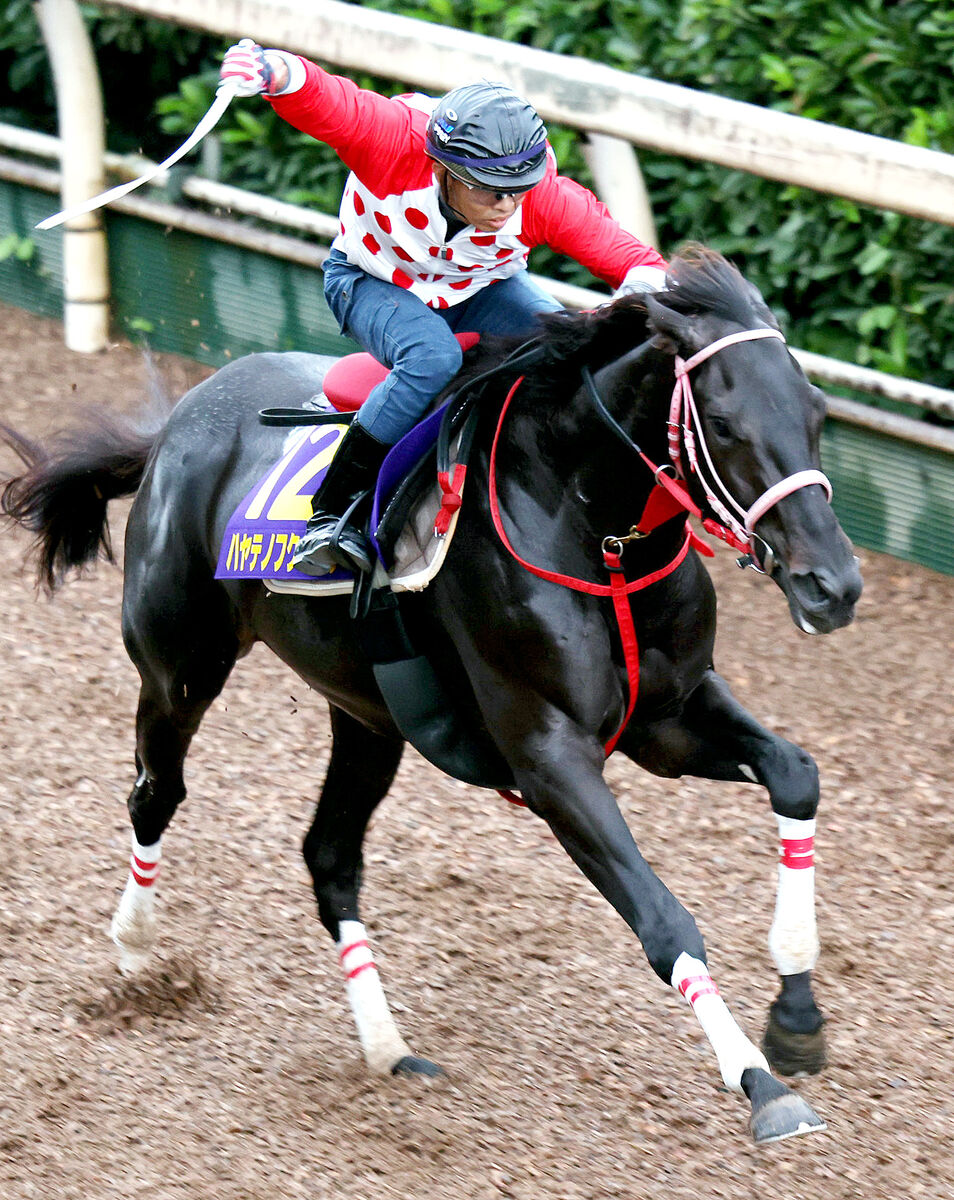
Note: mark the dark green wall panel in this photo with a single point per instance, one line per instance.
(892, 495)
(36, 285)
(211, 301)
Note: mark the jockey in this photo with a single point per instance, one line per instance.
(443, 204)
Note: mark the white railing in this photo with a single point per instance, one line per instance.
(576, 92)
(589, 96)
(324, 226)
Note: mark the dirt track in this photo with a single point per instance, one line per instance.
(573, 1073)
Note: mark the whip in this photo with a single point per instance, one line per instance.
(224, 96)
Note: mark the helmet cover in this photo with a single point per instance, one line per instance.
(488, 136)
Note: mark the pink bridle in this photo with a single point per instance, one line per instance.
(685, 432)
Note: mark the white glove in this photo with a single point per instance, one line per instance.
(246, 69)
(641, 279)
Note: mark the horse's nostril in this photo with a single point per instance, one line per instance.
(810, 590)
(824, 590)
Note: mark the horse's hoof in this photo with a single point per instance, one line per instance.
(777, 1112)
(133, 963)
(794, 1053)
(411, 1065)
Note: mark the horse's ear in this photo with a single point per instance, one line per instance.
(672, 328)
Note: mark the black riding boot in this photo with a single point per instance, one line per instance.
(333, 535)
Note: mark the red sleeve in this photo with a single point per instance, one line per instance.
(569, 219)
(373, 136)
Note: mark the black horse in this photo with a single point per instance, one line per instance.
(616, 612)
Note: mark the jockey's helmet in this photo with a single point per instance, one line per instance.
(489, 137)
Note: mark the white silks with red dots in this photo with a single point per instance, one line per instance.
(793, 938)
(401, 239)
(691, 978)
(381, 1042)
(134, 923)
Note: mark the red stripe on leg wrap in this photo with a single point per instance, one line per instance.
(797, 853)
(696, 986)
(368, 966)
(144, 873)
(343, 954)
(797, 864)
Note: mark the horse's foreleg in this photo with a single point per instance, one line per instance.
(361, 770)
(716, 738)
(584, 816)
(565, 787)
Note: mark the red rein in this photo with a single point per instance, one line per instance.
(617, 588)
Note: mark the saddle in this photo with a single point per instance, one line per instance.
(413, 515)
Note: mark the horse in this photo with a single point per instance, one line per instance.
(572, 616)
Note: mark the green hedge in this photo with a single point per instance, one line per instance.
(856, 283)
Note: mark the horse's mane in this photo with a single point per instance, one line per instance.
(699, 282)
(568, 340)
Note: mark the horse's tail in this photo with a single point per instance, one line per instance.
(63, 494)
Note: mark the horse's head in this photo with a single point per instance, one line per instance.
(745, 430)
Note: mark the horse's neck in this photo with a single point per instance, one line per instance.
(563, 465)
(635, 391)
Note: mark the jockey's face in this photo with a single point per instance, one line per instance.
(488, 211)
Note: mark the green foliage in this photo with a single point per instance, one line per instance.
(853, 282)
(138, 59)
(21, 248)
(22, 65)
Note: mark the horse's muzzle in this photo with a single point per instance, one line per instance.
(822, 599)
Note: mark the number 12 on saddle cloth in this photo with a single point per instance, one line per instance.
(261, 534)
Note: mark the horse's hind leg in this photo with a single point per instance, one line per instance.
(362, 768)
(180, 679)
(716, 738)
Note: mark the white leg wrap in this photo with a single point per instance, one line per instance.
(383, 1046)
(133, 927)
(733, 1049)
(793, 938)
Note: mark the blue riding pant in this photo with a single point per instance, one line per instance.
(418, 342)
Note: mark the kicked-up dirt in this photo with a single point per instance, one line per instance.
(233, 1072)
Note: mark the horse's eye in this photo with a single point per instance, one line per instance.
(719, 426)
